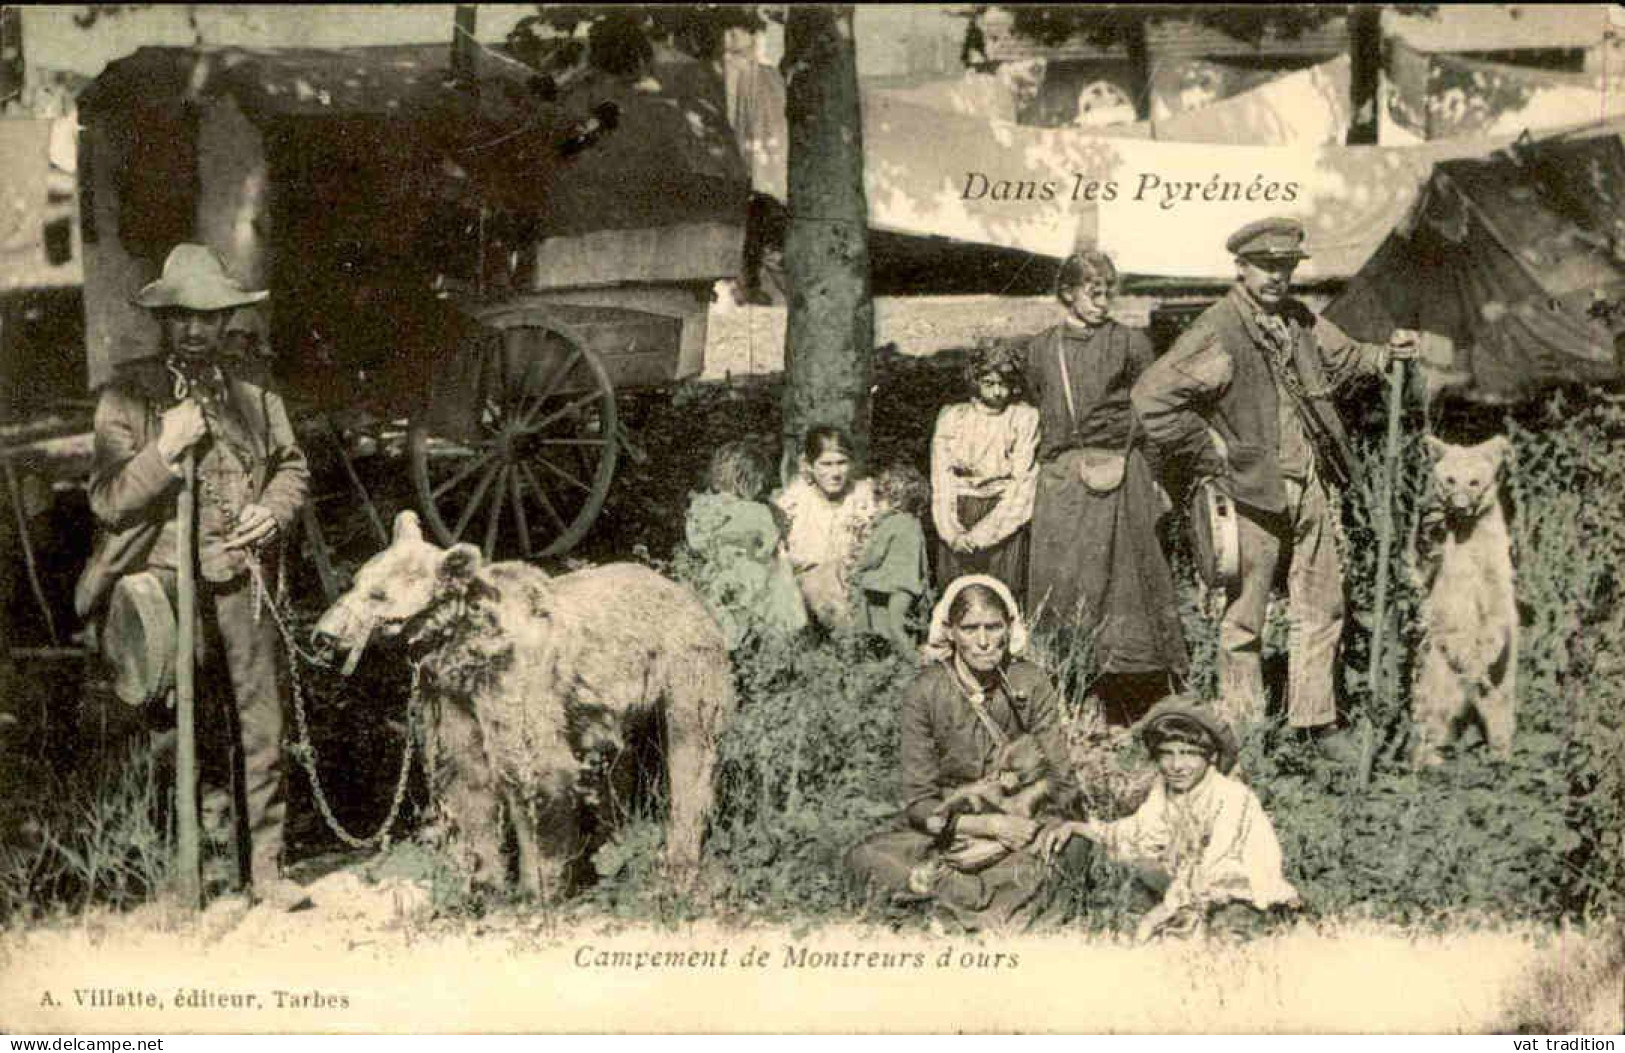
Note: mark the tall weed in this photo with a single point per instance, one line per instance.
(810, 764)
(92, 836)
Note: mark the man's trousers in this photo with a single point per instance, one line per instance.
(242, 726)
(1307, 539)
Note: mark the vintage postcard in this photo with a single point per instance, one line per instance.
(820, 519)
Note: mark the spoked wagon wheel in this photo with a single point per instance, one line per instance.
(530, 471)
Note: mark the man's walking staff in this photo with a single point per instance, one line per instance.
(1382, 506)
(188, 883)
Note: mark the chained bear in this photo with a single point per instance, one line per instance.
(532, 686)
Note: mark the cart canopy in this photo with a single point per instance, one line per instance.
(368, 189)
(669, 159)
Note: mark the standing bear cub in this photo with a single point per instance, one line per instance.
(532, 688)
(1469, 657)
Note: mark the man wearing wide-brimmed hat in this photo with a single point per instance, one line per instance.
(1246, 394)
(251, 481)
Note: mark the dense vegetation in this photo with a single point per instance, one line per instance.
(810, 764)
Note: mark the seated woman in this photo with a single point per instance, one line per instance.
(829, 512)
(975, 697)
(1201, 840)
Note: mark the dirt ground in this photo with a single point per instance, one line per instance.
(375, 961)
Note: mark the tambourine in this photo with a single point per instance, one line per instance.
(138, 639)
(1215, 535)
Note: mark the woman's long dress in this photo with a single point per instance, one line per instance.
(1095, 557)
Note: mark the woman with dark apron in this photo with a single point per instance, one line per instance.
(1096, 566)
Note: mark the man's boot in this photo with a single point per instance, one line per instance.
(270, 887)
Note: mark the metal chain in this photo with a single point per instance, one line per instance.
(1279, 341)
(305, 748)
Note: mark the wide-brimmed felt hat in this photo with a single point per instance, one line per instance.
(1277, 238)
(138, 638)
(194, 278)
(1187, 710)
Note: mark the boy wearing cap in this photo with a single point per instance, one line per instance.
(251, 481)
(1201, 839)
(1246, 395)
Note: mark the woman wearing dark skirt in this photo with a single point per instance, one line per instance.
(983, 474)
(973, 697)
(1096, 564)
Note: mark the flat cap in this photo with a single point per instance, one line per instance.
(1280, 237)
(1194, 715)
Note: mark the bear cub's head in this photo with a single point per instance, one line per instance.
(395, 590)
(1465, 478)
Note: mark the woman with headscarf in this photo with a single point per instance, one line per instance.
(1096, 565)
(974, 697)
(984, 470)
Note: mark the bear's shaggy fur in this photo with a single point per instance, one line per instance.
(532, 686)
(1469, 658)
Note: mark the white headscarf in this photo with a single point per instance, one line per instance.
(939, 645)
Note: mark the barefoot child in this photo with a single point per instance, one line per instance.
(749, 583)
(891, 571)
(1201, 840)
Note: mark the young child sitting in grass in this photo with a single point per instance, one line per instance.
(1201, 840)
(748, 582)
(891, 572)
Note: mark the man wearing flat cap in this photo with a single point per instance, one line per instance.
(251, 481)
(1246, 395)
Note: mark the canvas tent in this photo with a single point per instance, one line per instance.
(1514, 264)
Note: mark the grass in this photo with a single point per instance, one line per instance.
(810, 764)
(91, 837)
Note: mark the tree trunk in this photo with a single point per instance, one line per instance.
(1365, 64)
(830, 338)
(11, 54)
(462, 44)
(1139, 57)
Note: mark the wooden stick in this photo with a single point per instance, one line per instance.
(374, 520)
(16, 494)
(320, 554)
(1383, 508)
(189, 884)
(49, 653)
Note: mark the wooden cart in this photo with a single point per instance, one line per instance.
(487, 264)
